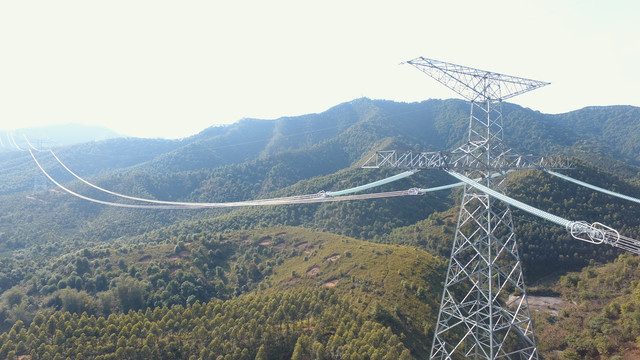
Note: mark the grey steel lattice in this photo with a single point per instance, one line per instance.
(476, 319)
(449, 160)
(475, 84)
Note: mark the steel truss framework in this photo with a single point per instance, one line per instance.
(476, 319)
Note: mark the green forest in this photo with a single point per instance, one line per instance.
(268, 293)
(331, 280)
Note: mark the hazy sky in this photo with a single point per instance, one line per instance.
(173, 68)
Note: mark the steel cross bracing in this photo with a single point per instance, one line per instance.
(475, 84)
(474, 320)
(451, 160)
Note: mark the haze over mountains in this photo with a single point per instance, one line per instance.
(55, 136)
(76, 256)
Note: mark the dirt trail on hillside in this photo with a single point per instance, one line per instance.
(549, 304)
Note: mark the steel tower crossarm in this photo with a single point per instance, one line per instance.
(459, 161)
(475, 84)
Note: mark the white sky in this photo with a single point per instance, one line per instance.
(172, 68)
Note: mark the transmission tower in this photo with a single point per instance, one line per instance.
(474, 320)
(39, 179)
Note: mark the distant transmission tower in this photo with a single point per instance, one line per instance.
(474, 321)
(40, 182)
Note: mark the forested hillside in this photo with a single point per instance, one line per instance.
(599, 315)
(287, 290)
(324, 280)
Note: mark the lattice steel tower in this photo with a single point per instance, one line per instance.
(474, 320)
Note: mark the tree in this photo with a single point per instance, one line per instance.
(187, 288)
(101, 283)
(82, 265)
(75, 301)
(254, 272)
(14, 297)
(405, 355)
(298, 351)
(318, 350)
(131, 294)
(262, 353)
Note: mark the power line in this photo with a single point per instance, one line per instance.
(198, 204)
(593, 187)
(595, 233)
(13, 141)
(300, 199)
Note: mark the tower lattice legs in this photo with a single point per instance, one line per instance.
(476, 319)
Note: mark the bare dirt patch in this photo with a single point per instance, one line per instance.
(314, 270)
(294, 280)
(181, 254)
(33, 198)
(266, 241)
(301, 246)
(145, 259)
(331, 284)
(548, 304)
(332, 258)
(280, 246)
(632, 354)
(310, 249)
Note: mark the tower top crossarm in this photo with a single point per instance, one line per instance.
(475, 84)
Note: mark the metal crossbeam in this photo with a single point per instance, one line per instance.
(457, 161)
(475, 84)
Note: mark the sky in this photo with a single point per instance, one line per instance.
(173, 68)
